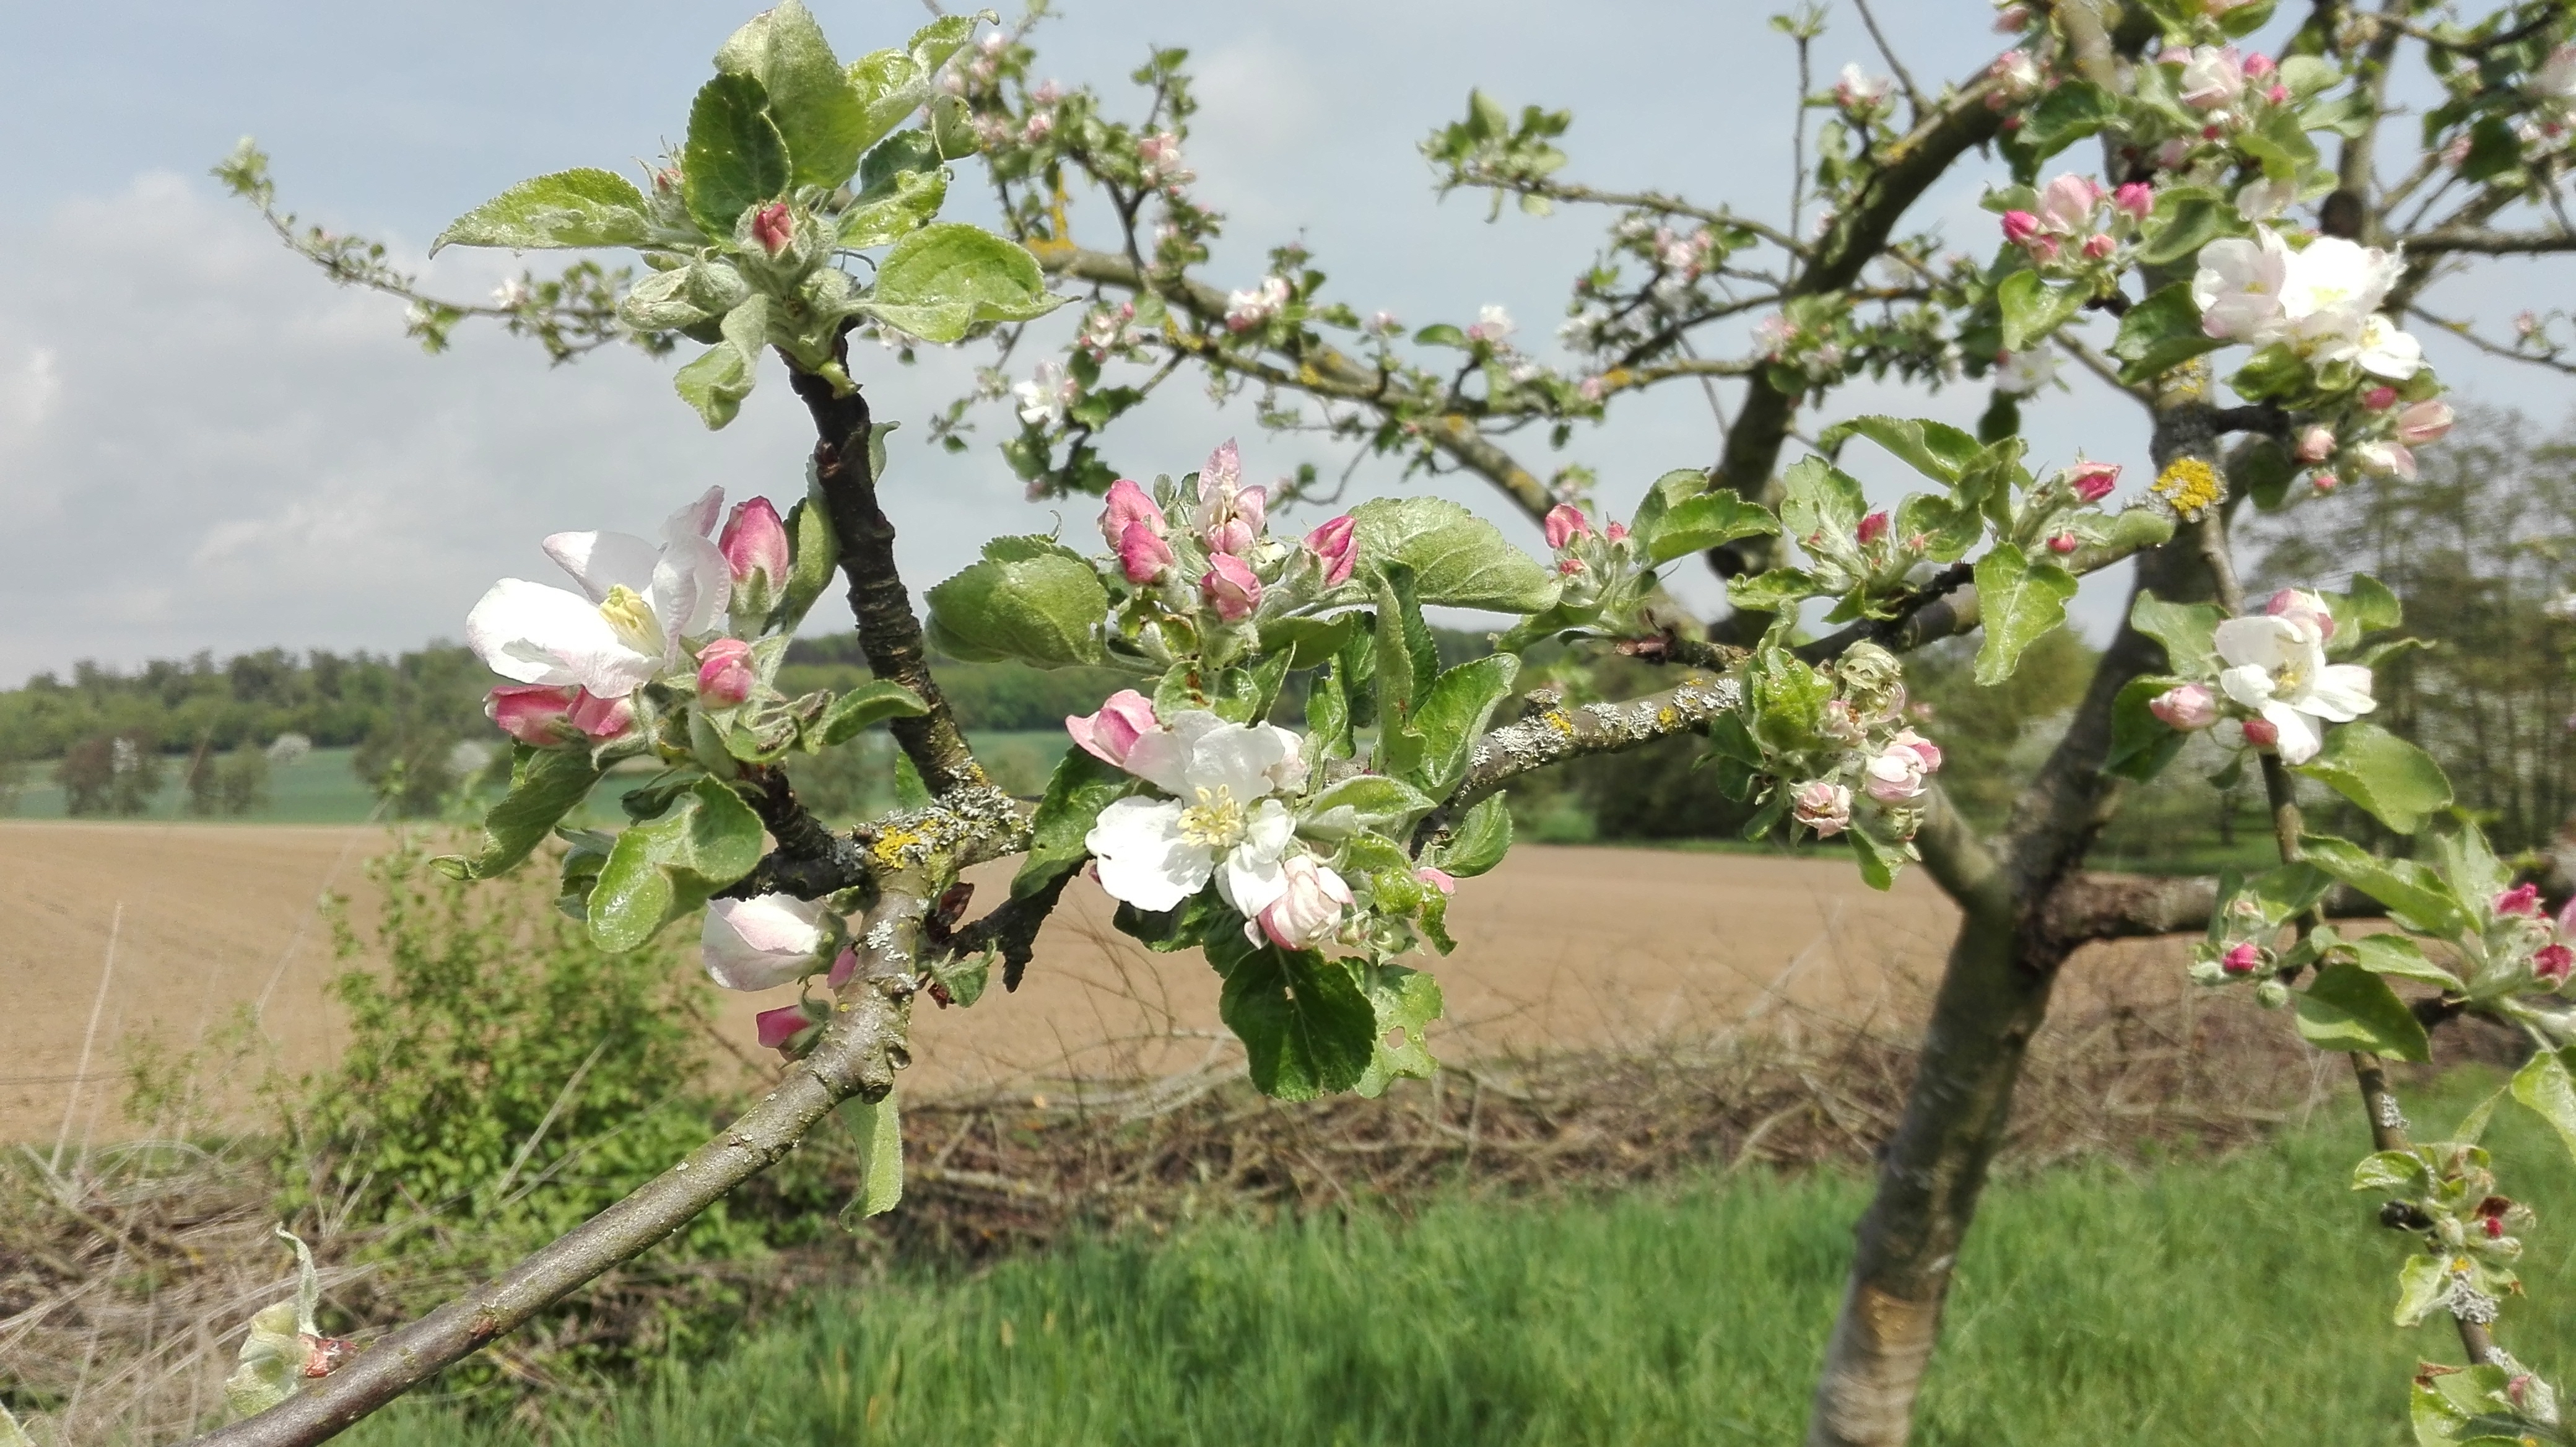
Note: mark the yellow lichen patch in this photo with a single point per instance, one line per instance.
(891, 846)
(2190, 487)
(1558, 722)
(1667, 716)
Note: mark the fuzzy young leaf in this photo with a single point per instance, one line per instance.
(2397, 782)
(813, 553)
(944, 279)
(818, 114)
(1935, 449)
(1306, 1025)
(581, 207)
(1044, 610)
(2395, 954)
(2546, 1086)
(1695, 525)
(1308, 642)
(915, 198)
(2417, 897)
(1405, 1002)
(719, 379)
(1482, 838)
(1451, 716)
(2349, 1008)
(2022, 601)
(1457, 558)
(2032, 309)
(2187, 630)
(864, 707)
(2160, 334)
(665, 867)
(735, 159)
(1374, 801)
(877, 1128)
(1080, 788)
(545, 785)
(1822, 506)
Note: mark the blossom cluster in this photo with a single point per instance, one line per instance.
(1200, 569)
(2275, 681)
(1858, 751)
(2075, 230)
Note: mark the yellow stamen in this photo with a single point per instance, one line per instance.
(632, 618)
(1215, 821)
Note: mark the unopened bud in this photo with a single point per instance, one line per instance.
(725, 675)
(774, 227)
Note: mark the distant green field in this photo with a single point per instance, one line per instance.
(2244, 1302)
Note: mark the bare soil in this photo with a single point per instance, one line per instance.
(1561, 948)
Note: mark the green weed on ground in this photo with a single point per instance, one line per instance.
(2242, 1302)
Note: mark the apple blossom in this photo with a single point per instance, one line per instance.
(2238, 287)
(2213, 78)
(1856, 89)
(1222, 823)
(754, 544)
(2426, 421)
(2063, 543)
(2551, 963)
(2383, 351)
(2330, 295)
(1160, 156)
(637, 602)
(1308, 909)
(1245, 310)
(1897, 773)
(2068, 203)
(765, 941)
(2522, 900)
(2015, 74)
(2245, 959)
(2555, 80)
(2386, 459)
(1128, 503)
(2264, 200)
(2135, 200)
(2093, 481)
(1230, 587)
(774, 227)
(1110, 733)
(1563, 524)
(2316, 444)
(2305, 609)
(2099, 245)
(779, 1027)
(2260, 733)
(1822, 805)
(725, 675)
(1143, 555)
(1230, 515)
(2276, 666)
(1492, 325)
(537, 714)
(2020, 226)
(1336, 546)
(1048, 396)
(2019, 374)
(2186, 707)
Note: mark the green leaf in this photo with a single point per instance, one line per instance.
(1451, 717)
(1374, 801)
(1821, 501)
(1405, 1003)
(863, 708)
(2141, 743)
(1698, 524)
(1879, 859)
(1769, 592)
(916, 197)
(820, 116)
(2545, 1086)
(1482, 838)
(1080, 788)
(2187, 630)
(2395, 954)
(1306, 1025)
(2417, 897)
(2186, 219)
(1457, 558)
(1044, 610)
(2348, 1008)
(582, 207)
(877, 1128)
(2160, 334)
(2032, 309)
(1935, 449)
(735, 159)
(545, 785)
(945, 278)
(2021, 601)
(717, 381)
(2067, 114)
(667, 866)
(1407, 661)
(2420, 1284)
(2393, 1171)
(1308, 642)
(2368, 608)
(2397, 782)
(813, 552)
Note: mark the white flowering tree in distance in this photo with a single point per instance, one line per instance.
(2235, 212)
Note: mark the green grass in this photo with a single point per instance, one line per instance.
(2245, 1302)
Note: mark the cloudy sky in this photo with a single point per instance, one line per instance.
(204, 445)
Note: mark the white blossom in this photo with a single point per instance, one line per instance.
(638, 603)
(1222, 821)
(2019, 374)
(2276, 666)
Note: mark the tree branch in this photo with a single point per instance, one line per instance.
(2486, 242)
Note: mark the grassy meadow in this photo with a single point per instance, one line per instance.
(2241, 1302)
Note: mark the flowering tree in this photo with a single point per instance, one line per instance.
(2238, 223)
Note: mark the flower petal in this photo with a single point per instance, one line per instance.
(601, 561)
(532, 633)
(689, 589)
(1143, 860)
(2248, 685)
(2300, 738)
(1239, 757)
(2262, 640)
(698, 519)
(2341, 692)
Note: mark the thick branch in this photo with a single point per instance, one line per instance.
(2486, 242)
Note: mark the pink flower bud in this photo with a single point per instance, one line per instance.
(725, 676)
(754, 540)
(1111, 734)
(1569, 567)
(1143, 555)
(2278, 95)
(1310, 909)
(1128, 504)
(1564, 523)
(2136, 200)
(1896, 775)
(2245, 959)
(2093, 481)
(779, 1026)
(2552, 963)
(1615, 532)
(2020, 226)
(532, 713)
(2062, 543)
(2043, 248)
(2316, 444)
(2379, 399)
(2303, 608)
(2261, 733)
(844, 965)
(1922, 748)
(1822, 805)
(1439, 879)
(601, 719)
(2099, 245)
(1336, 545)
(2066, 205)
(773, 227)
(1223, 469)
(2522, 899)
(1872, 528)
(2188, 707)
(1230, 587)
(2426, 421)
(2259, 65)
